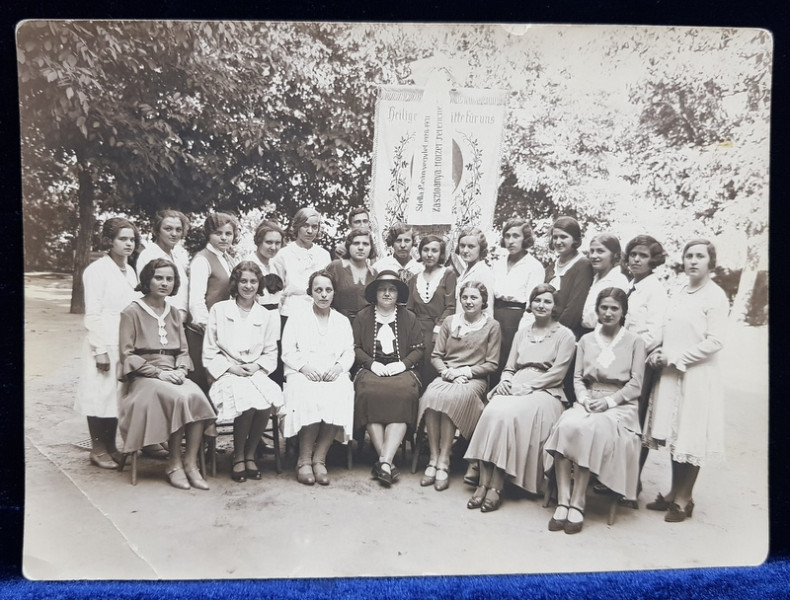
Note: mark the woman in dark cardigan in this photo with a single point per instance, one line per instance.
(388, 345)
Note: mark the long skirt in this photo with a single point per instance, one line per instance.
(511, 433)
(462, 402)
(233, 395)
(308, 402)
(385, 400)
(152, 409)
(606, 443)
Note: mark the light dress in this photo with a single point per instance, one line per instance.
(107, 292)
(481, 272)
(686, 410)
(296, 264)
(513, 428)
(235, 338)
(306, 402)
(605, 442)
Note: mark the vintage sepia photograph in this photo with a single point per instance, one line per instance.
(330, 299)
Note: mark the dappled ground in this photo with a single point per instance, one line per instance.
(83, 522)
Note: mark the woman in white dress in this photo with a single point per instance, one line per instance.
(299, 259)
(268, 240)
(686, 411)
(472, 247)
(109, 287)
(239, 353)
(604, 257)
(318, 352)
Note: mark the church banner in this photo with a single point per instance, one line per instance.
(436, 156)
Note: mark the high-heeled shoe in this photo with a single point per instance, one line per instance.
(384, 476)
(558, 524)
(429, 476)
(304, 474)
(660, 503)
(103, 460)
(442, 479)
(477, 501)
(319, 471)
(253, 473)
(492, 505)
(177, 478)
(238, 476)
(572, 527)
(196, 479)
(675, 514)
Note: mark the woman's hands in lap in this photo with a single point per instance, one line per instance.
(176, 377)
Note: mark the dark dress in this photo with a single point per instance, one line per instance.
(386, 399)
(349, 296)
(432, 314)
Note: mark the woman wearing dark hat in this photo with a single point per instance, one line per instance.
(388, 345)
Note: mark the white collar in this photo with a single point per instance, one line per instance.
(160, 319)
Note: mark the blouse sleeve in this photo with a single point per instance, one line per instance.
(271, 333)
(578, 282)
(493, 346)
(291, 354)
(93, 285)
(633, 386)
(566, 347)
(582, 394)
(346, 359)
(361, 332)
(654, 321)
(215, 362)
(439, 350)
(199, 273)
(132, 363)
(183, 359)
(715, 329)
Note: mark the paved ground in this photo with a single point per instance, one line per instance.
(82, 522)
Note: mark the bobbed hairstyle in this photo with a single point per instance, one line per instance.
(359, 210)
(301, 217)
(112, 227)
(425, 240)
(215, 220)
(618, 296)
(526, 231)
(570, 226)
(265, 227)
(361, 232)
(319, 273)
(703, 242)
(235, 276)
(657, 253)
(168, 213)
(147, 274)
(474, 232)
(397, 230)
(612, 244)
(479, 286)
(545, 288)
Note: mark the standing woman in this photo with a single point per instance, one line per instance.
(209, 283)
(686, 411)
(239, 353)
(599, 434)
(268, 240)
(353, 273)
(168, 228)
(160, 403)
(388, 346)
(605, 260)
(515, 276)
(647, 305)
(466, 353)
(318, 351)
(109, 286)
(300, 259)
(508, 440)
(400, 237)
(472, 248)
(431, 297)
(571, 274)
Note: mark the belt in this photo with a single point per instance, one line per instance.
(168, 351)
(499, 303)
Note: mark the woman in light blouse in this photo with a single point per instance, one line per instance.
(472, 248)
(400, 237)
(604, 257)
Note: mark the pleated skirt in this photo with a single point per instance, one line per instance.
(462, 402)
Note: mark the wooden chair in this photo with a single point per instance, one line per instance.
(201, 463)
(550, 496)
(226, 428)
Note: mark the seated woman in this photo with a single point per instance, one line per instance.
(600, 434)
(353, 273)
(388, 346)
(239, 353)
(160, 403)
(466, 353)
(524, 406)
(318, 351)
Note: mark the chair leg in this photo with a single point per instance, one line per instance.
(134, 468)
(549, 489)
(614, 501)
(415, 449)
(276, 441)
(350, 454)
(202, 459)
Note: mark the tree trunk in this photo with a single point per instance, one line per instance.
(82, 250)
(742, 301)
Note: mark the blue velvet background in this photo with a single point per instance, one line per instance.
(771, 580)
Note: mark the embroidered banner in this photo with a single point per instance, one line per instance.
(436, 156)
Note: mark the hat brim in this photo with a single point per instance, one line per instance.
(403, 290)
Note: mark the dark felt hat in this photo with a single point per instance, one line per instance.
(390, 277)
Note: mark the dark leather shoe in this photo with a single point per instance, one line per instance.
(252, 473)
(570, 527)
(558, 524)
(238, 476)
(304, 474)
(675, 514)
(477, 501)
(492, 505)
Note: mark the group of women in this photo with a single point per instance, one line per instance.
(569, 373)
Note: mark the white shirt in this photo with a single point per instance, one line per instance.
(305, 343)
(520, 280)
(613, 278)
(267, 297)
(296, 264)
(152, 251)
(390, 263)
(479, 272)
(647, 306)
(199, 272)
